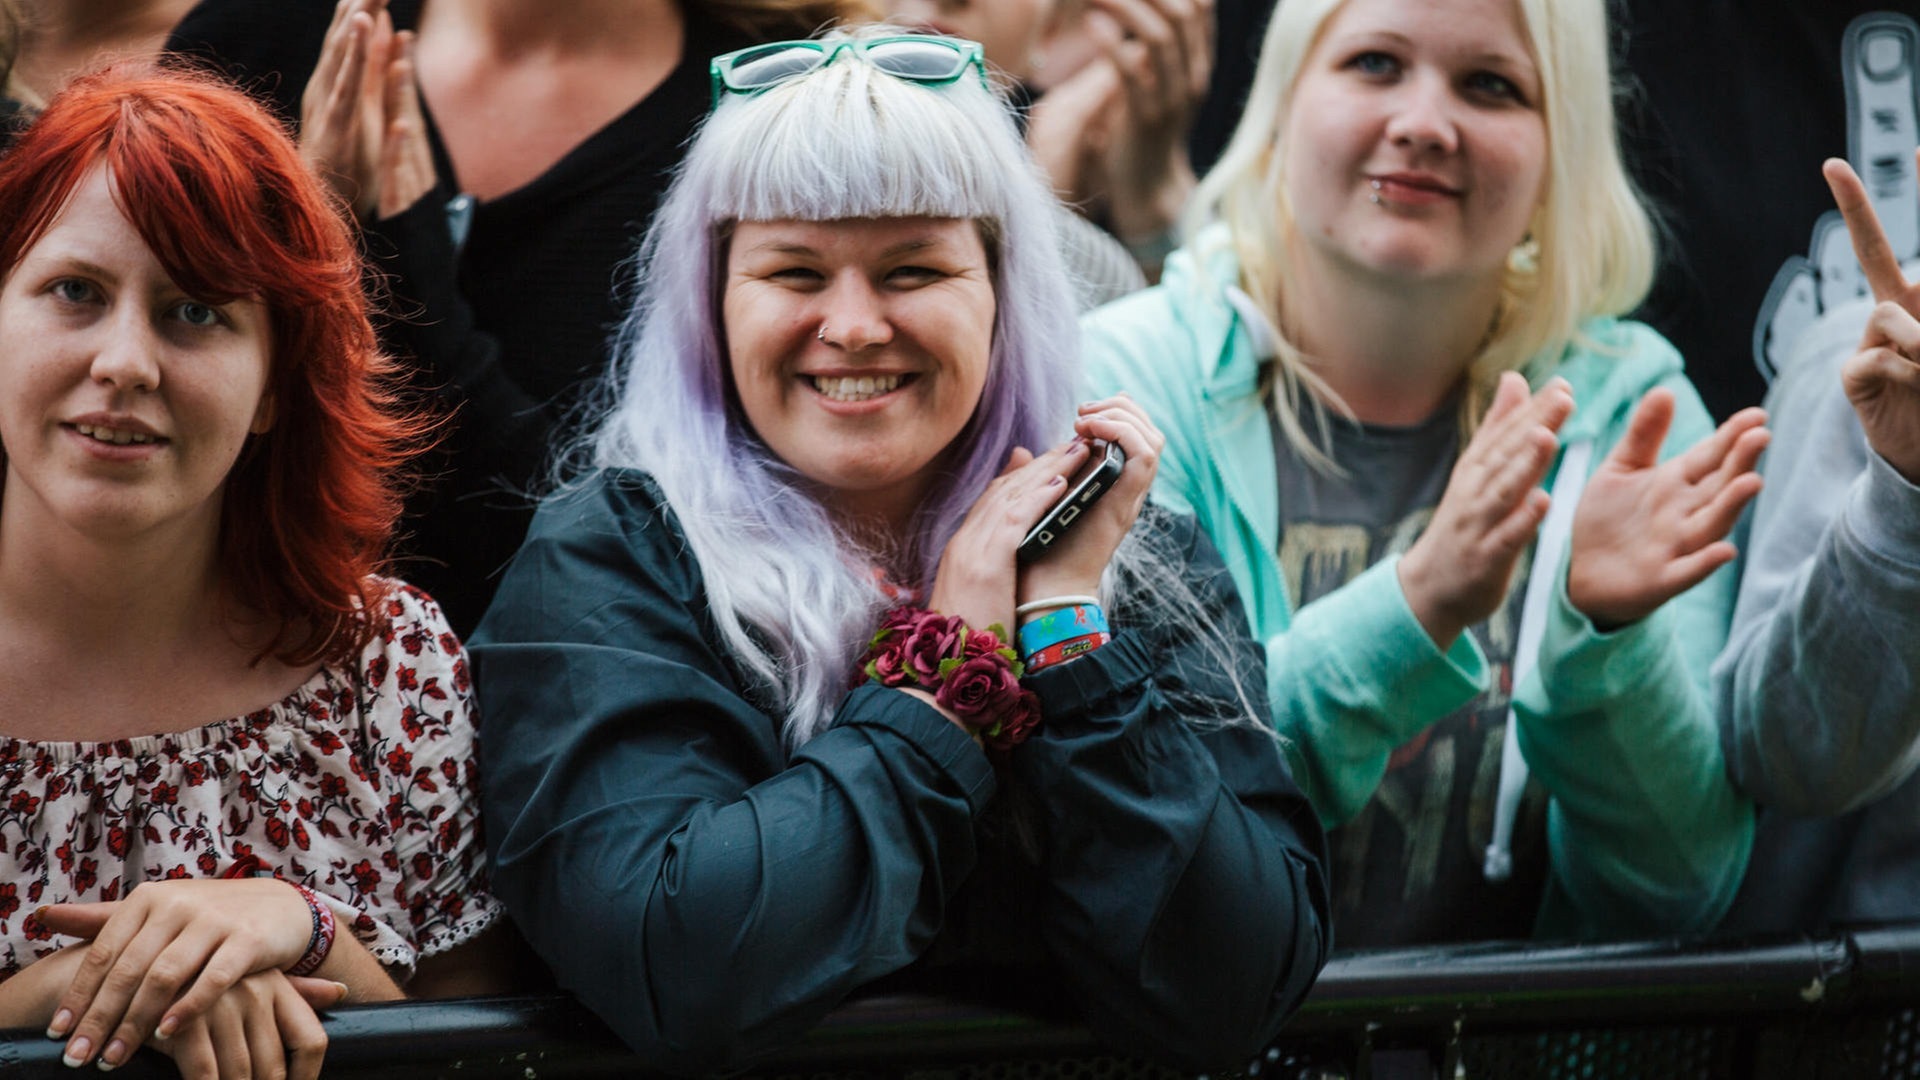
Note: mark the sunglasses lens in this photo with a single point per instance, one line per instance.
(761, 68)
(931, 60)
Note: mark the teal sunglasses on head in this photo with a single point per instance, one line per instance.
(921, 58)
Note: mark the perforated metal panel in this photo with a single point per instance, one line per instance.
(1902, 1046)
(1679, 1053)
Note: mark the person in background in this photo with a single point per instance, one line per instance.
(60, 39)
(13, 110)
(1819, 685)
(1422, 211)
(261, 800)
(1123, 80)
(720, 802)
(504, 157)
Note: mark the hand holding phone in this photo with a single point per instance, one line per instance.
(1093, 481)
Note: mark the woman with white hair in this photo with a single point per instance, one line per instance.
(852, 330)
(1423, 211)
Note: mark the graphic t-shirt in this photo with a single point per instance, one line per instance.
(1408, 868)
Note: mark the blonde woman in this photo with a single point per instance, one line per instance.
(1459, 581)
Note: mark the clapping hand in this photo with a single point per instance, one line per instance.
(1115, 132)
(1647, 531)
(1458, 572)
(361, 123)
(1882, 380)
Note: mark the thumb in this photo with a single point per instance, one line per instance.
(1639, 448)
(76, 920)
(319, 993)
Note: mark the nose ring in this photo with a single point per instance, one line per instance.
(1374, 198)
(822, 335)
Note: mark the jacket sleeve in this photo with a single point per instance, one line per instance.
(1646, 833)
(1186, 900)
(1819, 686)
(1351, 676)
(1355, 677)
(708, 894)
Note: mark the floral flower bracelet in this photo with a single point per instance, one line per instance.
(973, 674)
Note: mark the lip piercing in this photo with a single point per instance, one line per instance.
(1375, 197)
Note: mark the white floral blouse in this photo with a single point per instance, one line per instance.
(361, 785)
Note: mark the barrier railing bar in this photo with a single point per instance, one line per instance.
(1407, 995)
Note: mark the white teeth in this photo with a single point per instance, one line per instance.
(116, 436)
(856, 388)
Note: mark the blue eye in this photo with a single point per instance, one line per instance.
(1375, 63)
(1492, 85)
(74, 291)
(194, 313)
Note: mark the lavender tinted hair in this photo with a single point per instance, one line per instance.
(845, 141)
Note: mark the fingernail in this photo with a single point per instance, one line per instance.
(167, 1027)
(343, 993)
(1058, 481)
(62, 1020)
(76, 1053)
(114, 1054)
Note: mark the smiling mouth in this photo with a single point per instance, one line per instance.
(116, 436)
(1420, 187)
(851, 388)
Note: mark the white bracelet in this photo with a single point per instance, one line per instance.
(1052, 602)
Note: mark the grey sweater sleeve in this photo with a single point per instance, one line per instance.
(1819, 685)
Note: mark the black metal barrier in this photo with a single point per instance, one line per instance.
(1842, 1006)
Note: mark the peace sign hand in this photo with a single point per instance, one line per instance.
(1882, 380)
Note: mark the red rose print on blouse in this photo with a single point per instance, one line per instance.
(360, 785)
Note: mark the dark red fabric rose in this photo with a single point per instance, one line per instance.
(1019, 721)
(930, 641)
(974, 689)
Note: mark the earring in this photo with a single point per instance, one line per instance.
(1524, 258)
(1375, 197)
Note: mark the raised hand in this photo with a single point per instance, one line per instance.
(980, 579)
(1162, 51)
(172, 948)
(1882, 380)
(343, 116)
(1878, 62)
(1073, 566)
(1647, 531)
(1458, 572)
(406, 159)
(978, 573)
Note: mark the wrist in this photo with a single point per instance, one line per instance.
(321, 930)
(1432, 615)
(973, 675)
(1063, 632)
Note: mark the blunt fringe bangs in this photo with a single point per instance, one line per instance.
(216, 189)
(845, 141)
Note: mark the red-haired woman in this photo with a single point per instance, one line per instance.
(222, 736)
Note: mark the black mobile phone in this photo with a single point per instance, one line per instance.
(1093, 482)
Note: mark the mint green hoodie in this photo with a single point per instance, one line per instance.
(1645, 832)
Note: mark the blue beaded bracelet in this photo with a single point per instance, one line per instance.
(1061, 624)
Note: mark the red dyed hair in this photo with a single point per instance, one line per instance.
(217, 190)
